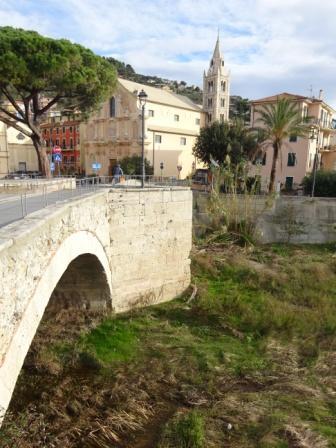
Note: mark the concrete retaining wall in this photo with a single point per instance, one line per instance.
(285, 219)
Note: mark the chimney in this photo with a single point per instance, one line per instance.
(321, 94)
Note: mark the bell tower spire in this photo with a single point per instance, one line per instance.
(216, 87)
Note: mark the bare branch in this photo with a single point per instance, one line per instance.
(12, 101)
(11, 115)
(49, 105)
(16, 126)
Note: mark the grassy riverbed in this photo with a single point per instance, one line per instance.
(250, 362)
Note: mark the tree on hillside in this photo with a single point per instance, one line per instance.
(239, 108)
(38, 73)
(226, 139)
(279, 121)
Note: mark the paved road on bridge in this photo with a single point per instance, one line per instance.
(13, 208)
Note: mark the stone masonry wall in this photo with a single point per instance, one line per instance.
(150, 241)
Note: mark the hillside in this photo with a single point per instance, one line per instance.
(126, 71)
(239, 107)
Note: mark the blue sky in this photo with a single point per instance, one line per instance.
(270, 46)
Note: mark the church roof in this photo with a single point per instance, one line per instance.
(157, 95)
(217, 53)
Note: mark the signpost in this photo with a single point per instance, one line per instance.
(161, 168)
(96, 166)
(57, 156)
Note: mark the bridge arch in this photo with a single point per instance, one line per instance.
(65, 279)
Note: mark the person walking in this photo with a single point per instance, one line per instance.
(117, 173)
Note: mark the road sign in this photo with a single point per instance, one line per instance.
(57, 157)
(52, 166)
(56, 150)
(96, 166)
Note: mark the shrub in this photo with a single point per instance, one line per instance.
(325, 184)
(132, 166)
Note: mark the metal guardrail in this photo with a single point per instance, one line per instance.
(15, 206)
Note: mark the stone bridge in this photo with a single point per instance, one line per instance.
(113, 249)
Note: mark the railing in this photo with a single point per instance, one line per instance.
(134, 181)
(15, 206)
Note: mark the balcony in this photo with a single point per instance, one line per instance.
(327, 148)
(325, 125)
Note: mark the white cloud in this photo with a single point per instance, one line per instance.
(269, 45)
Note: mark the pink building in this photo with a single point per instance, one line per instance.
(297, 154)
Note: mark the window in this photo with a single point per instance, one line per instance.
(51, 130)
(183, 141)
(71, 143)
(222, 63)
(197, 121)
(57, 142)
(151, 113)
(260, 160)
(223, 85)
(210, 86)
(63, 129)
(222, 118)
(209, 118)
(291, 159)
(72, 159)
(63, 144)
(293, 138)
(158, 138)
(222, 102)
(112, 107)
(70, 129)
(57, 131)
(176, 117)
(209, 102)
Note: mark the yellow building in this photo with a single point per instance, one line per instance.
(17, 152)
(172, 123)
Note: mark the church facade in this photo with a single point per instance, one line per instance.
(172, 124)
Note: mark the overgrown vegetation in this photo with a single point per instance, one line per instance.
(325, 184)
(250, 362)
(234, 203)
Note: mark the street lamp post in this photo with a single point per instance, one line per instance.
(315, 136)
(142, 99)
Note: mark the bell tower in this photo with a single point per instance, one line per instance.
(216, 88)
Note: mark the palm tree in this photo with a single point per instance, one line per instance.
(280, 121)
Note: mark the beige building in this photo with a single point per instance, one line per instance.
(17, 152)
(298, 153)
(172, 123)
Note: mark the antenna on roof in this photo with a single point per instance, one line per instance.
(311, 91)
